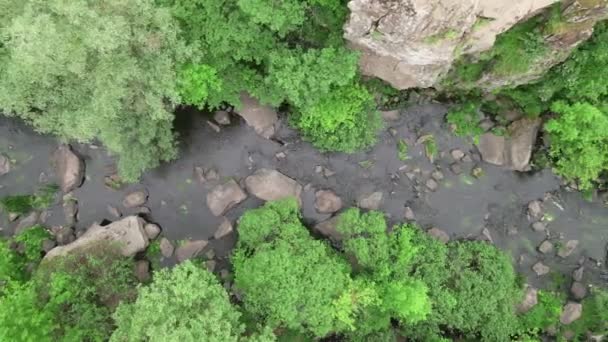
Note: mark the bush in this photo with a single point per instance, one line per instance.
(23, 204)
(287, 278)
(544, 314)
(185, 303)
(579, 142)
(465, 118)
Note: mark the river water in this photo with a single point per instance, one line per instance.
(462, 205)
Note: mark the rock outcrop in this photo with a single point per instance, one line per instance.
(128, 235)
(271, 185)
(68, 167)
(513, 150)
(261, 118)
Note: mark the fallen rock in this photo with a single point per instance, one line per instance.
(48, 244)
(409, 214)
(327, 202)
(567, 249)
(535, 209)
(190, 249)
(152, 230)
(577, 275)
(114, 212)
(128, 235)
(261, 118)
(142, 270)
(514, 150)
(65, 235)
(370, 201)
(539, 226)
(529, 301)
(571, 312)
(222, 117)
(492, 148)
(29, 221)
(12, 217)
(390, 115)
(210, 265)
(69, 168)
(214, 127)
(271, 185)
(540, 269)
(437, 175)
(578, 290)
(5, 165)
(224, 229)
(70, 210)
(486, 236)
(328, 228)
(135, 199)
(432, 185)
(166, 248)
(225, 196)
(439, 234)
(545, 247)
(456, 168)
(457, 154)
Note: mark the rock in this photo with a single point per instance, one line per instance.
(486, 124)
(571, 312)
(214, 127)
(409, 214)
(128, 235)
(545, 247)
(5, 165)
(439, 234)
(539, 226)
(224, 229)
(166, 248)
(390, 115)
(70, 210)
(69, 168)
(65, 235)
(540, 269)
(529, 301)
(492, 147)
(222, 117)
(135, 199)
(535, 210)
(29, 221)
(190, 249)
(578, 290)
(142, 210)
(370, 201)
(152, 230)
(12, 217)
(210, 265)
(112, 210)
(327, 202)
(486, 236)
(437, 175)
(142, 270)
(271, 185)
(477, 172)
(48, 244)
(522, 137)
(432, 184)
(280, 155)
(567, 249)
(225, 196)
(210, 254)
(456, 168)
(199, 174)
(261, 118)
(457, 154)
(329, 229)
(577, 275)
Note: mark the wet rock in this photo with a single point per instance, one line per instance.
(222, 117)
(577, 275)
(327, 202)
(114, 212)
(370, 201)
(271, 185)
(29, 221)
(491, 147)
(437, 175)
(166, 248)
(566, 249)
(432, 185)
(127, 234)
(539, 226)
(261, 118)
(280, 155)
(210, 265)
(571, 312)
(225, 196)
(578, 290)
(409, 214)
(65, 235)
(152, 230)
(439, 234)
(522, 137)
(143, 210)
(142, 271)
(212, 175)
(190, 249)
(529, 301)
(214, 127)
(486, 236)
(5, 165)
(69, 168)
(135, 199)
(329, 229)
(545, 247)
(457, 154)
(486, 124)
(224, 229)
(203, 175)
(70, 210)
(540, 269)
(390, 115)
(535, 210)
(199, 174)
(48, 244)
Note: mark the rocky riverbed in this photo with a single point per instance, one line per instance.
(225, 168)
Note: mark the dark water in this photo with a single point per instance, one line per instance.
(463, 205)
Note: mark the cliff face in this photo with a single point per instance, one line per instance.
(414, 43)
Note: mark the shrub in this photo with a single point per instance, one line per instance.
(12, 265)
(544, 314)
(465, 118)
(579, 142)
(32, 239)
(594, 319)
(286, 277)
(23, 204)
(185, 303)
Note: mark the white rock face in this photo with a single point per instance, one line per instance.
(413, 43)
(127, 234)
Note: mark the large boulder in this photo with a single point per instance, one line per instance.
(513, 150)
(5, 165)
(69, 168)
(261, 118)
(327, 202)
(370, 201)
(190, 249)
(529, 301)
(225, 196)
(271, 185)
(135, 199)
(571, 312)
(128, 235)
